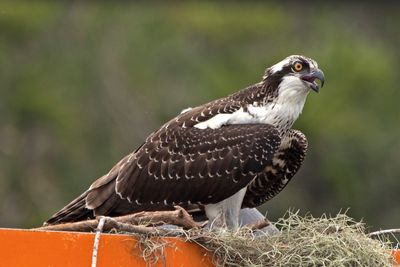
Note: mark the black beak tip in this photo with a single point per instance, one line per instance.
(318, 74)
(315, 75)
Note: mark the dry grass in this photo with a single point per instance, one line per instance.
(303, 241)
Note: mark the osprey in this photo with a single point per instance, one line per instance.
(235, 152)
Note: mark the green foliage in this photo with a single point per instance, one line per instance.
(83, 84)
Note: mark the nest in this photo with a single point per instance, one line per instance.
(302, 241)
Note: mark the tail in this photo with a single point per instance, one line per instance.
(74, 211)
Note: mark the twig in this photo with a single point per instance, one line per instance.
(129, 223)
(382, 232)
(97, 240)
(179, 217)
(258, 224)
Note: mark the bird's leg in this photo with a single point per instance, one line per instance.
(226, 212)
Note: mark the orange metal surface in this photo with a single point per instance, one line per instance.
(396, 254)
(33, 248)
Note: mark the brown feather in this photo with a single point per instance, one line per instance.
(181, 154)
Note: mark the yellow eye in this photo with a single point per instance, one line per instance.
(298, 66)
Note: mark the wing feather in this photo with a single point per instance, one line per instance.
(279, 171)
(178, 163)
(206, 167)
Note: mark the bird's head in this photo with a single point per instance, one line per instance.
(294, 76)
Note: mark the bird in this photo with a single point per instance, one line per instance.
(234, 152)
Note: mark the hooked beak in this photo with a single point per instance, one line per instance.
(310, 78)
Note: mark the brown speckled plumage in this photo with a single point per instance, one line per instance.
(180, 164)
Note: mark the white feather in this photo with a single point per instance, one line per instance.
(215, 122)
(226, 213)
(279, 66)
(282, 112)
(185, 110)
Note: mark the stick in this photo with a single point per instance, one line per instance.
(179, 217)
(129, 223)
(382, 232)
(258, 224)
(97, 240)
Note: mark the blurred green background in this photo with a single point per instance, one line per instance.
(83, 84)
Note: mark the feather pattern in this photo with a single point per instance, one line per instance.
(279, 171)
(199, 168)
(209, 153)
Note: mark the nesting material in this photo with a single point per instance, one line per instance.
(302, 241)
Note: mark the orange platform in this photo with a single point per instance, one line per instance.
(33, 248)
(396, 254)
